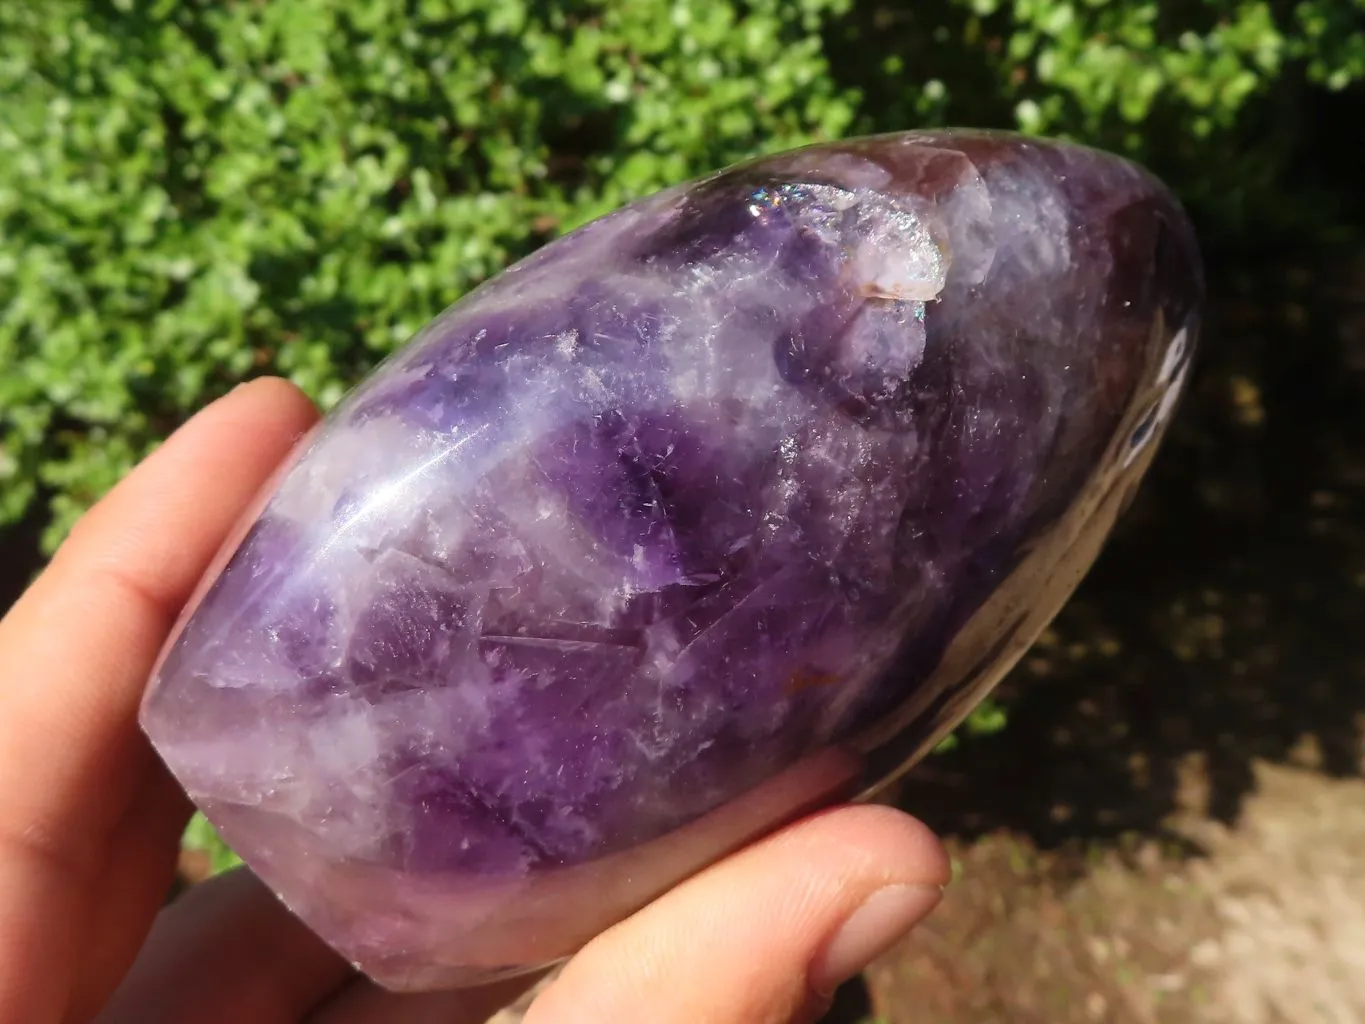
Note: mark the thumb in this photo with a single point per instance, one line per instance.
(766, 935)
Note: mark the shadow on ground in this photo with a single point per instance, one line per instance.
(1225, 622)
(1222, 630)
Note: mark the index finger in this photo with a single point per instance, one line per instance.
(76, 650)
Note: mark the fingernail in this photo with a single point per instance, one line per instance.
(872, 929)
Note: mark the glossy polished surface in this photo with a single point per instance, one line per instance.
(725, 506)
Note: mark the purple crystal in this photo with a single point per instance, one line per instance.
(725, 506)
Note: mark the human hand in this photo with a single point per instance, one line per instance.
(90, 820)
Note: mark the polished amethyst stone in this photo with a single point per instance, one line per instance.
(727, 505)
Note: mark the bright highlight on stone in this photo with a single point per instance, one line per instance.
(723, 507)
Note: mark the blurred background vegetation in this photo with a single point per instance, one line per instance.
(193, 193)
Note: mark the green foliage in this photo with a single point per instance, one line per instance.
(1101, 64)
(202, 837)
(1332, 41)
(1216, 95)
(191, 193)
(196, 192)
(986, 719)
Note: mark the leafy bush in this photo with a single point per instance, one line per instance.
(1216, 95)
(200, 835)
(195, 192)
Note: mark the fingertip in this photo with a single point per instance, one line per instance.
(884, 839)
(235, 441)
(273, 409)
(873, 927)
(278, 391)
(773, 928)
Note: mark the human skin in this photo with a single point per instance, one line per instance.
(90, 819)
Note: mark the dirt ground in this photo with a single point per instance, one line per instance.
(1266, 927)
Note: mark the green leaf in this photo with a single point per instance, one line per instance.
(202, 837)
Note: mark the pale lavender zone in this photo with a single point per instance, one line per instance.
(688, 495)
